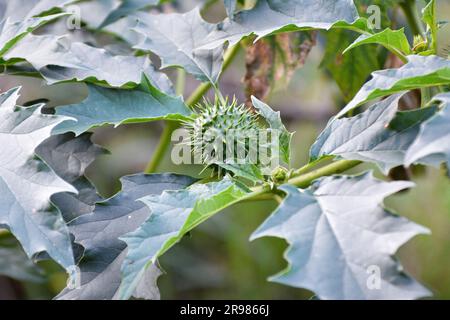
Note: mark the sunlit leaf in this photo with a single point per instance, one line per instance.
(394, 40)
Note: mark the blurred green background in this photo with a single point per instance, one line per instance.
(217, 261)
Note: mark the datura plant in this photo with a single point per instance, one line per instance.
(342, 241)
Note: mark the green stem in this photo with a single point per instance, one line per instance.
(195, 97)
(198, 93)
(308, 167)
(412, 16)
(425, 94)
(161, 149)
(305, 180)
(181, 82)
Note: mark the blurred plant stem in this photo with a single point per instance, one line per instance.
(162, 146)
(412, 16)
(193, 99)
(181, 82)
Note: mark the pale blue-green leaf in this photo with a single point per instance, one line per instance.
(57, 60)
(113, 106)
(432, 145)
(20, 17)
(269, 16)
(94, 13)
(19, 10)
(230, 7)
(419, 72)
(126, 7)
(13, 32)
(99, 233)
(368, 137)
(174, 213)
(27, 183)
(274, 120)
(341, 237)
(69, 156)
(123, 28)
(173, 37)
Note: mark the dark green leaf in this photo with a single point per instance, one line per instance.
(112, 106)
(393, 40)
(250, 172)
(350, 70)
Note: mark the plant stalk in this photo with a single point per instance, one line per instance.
(410, 9)
(181, 82)
(161, 148)
(305, 180)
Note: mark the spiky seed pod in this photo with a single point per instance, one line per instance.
(210, 131)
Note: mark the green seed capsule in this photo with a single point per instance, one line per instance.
(214, 134)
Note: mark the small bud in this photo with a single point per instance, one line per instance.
(279, 175)
(420, 44)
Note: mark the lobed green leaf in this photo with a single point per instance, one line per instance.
(321, 225)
